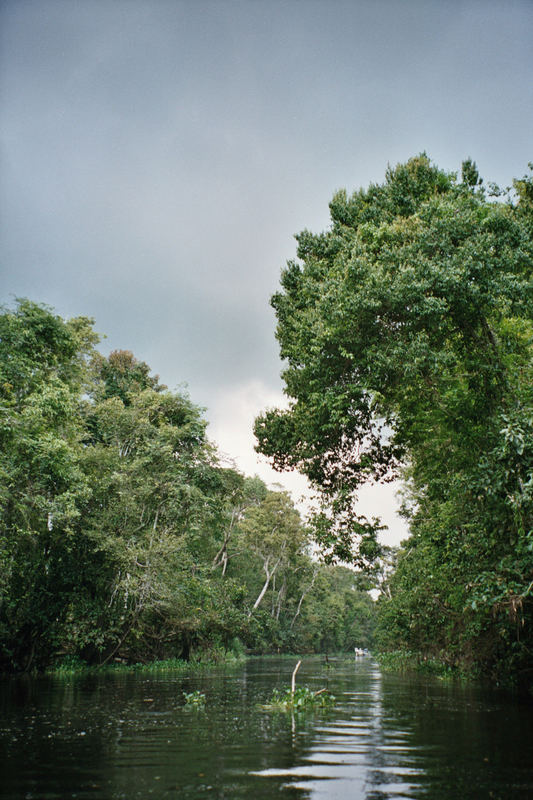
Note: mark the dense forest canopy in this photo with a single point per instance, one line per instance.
(406, 330)
(123, 536)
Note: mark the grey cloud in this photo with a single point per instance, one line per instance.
(159, 156)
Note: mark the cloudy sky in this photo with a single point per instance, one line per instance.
(159, 155)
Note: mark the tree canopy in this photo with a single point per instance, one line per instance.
(406, 331)
(122, 535)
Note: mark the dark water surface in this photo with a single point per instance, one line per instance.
(130, 735)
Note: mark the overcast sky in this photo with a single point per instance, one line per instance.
(158, 157)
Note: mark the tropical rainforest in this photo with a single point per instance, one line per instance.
(407, 337)
(125, 538)
(406, 333)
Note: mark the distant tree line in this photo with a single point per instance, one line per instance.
(407, 334)
(124, 537)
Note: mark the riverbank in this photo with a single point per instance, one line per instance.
(71, 665)
(405, 661)
(410, 661)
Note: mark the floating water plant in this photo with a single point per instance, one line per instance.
(302, 698)
(298, 699)
(194, 699)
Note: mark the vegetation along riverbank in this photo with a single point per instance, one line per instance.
(406, 332)
(124, 537)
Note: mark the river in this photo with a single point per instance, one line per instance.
(130, 735)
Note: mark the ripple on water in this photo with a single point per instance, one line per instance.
(386, 738)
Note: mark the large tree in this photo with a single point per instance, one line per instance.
(406, 333)
(112, 503)
(43, 370)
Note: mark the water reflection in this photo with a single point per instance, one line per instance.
(358, 755)
(411, 738)
(130, 736)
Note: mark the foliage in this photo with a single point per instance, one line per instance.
(406, 330)
(123, 539)
(73, 665)
(42, 376)
(410, 661)
(273, 533)
(194, 699)
(339, 614)
(302, 699)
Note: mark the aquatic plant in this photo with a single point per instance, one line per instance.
(301, 699)
(72, 665)
(194, 699)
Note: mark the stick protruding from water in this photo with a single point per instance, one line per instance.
(293, 682)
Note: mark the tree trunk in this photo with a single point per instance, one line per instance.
(281, 596)
(304, 593)
(221, 558)
(269, 574)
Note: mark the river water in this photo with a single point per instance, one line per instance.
(130, 735)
